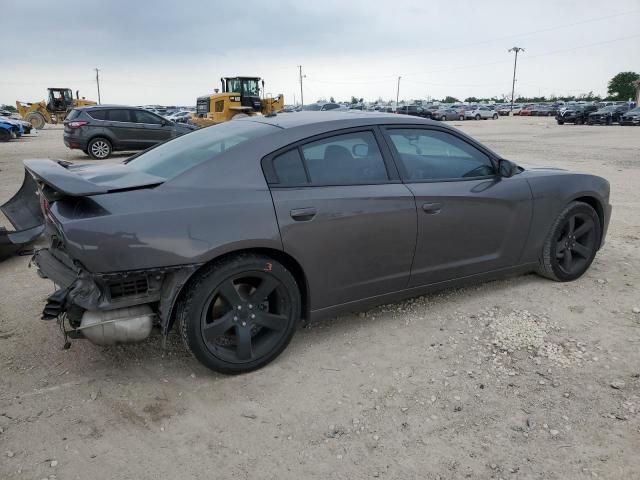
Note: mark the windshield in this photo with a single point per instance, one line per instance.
(312, 107)
(246, 87)
(635, 110)
(183, 153)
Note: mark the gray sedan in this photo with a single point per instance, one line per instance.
(234, 234)
(446, 114)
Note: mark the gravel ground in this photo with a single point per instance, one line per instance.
(514, 379)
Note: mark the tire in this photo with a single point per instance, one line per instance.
(99, 148)
(495, 116)
(571, 244)
(560, 122)
(478, 117)
(5, 135)
(579, 121)
(461, 117)
(36, 120)
(608, 122)
(221, 301)
(443, 118)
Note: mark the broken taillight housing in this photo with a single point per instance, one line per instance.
(44, 204)
(77, 124)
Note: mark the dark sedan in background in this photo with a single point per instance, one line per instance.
(103, 129)
(577, 114)
(632, 117)
(237, 232)
(607, 115)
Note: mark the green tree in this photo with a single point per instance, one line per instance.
(450, 99)
(620, 87)
(331, 99)
(354, 100)
(472, 99)
(9, 108)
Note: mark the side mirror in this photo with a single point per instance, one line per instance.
(507, 169)
(360, 150)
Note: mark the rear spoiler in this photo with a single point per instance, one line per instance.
(59, 178)
(68, 179)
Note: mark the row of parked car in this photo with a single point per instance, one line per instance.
(592, 115)
(11, 127)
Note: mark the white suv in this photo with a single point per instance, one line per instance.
(480, 113)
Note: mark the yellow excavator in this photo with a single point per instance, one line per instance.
(240, 97)
(53, 110)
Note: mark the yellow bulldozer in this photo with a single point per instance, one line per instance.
(53, 110)
(240, 97)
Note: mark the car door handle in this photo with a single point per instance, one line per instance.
(303, 214)
(431, 208)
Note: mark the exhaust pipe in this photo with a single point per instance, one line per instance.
(111, 327)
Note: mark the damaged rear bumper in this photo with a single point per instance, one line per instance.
(24, 213)
(109, 291)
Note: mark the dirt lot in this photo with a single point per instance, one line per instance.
(520, 378)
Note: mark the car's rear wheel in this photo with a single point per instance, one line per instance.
(461, 117)
(571, 244)
(99, 148)
(240, 313)
(478, 117)
(560, 122)
(443, 118)
(495, 116)
(36, 120)
(5, 135)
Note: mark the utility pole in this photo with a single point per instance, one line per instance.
(398, 94)
(515, 63)
(301, 93)
(98, 83)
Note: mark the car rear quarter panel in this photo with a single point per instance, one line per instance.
(552, 191)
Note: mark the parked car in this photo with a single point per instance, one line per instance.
(180, 117)
(445, 114)
(100, 130)
(632, 117)
(503, 110)
(24, 127)
(224, 235)
(517, 109)
(322, 106)
(414, 110)
(607, 115)
(575, 114)
(526, 110)
(543, 111)
(9, 130)
(480, 112)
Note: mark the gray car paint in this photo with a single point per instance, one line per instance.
(358, 249)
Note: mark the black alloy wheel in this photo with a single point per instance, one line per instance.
(572, 244)
(241, 314)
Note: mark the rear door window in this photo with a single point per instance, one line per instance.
(98, 114)
(289, 169)
(119, 115)
(347, 159)
(73, 114)
(142, 116)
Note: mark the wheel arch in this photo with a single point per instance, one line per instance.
(284, 258)
(596, 204)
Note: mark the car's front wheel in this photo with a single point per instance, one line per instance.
(99, 148)
(478, 117)
(461, 117)
(495, 116)
(240, 313)
(571, 244)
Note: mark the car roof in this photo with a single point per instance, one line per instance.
(336, 119)
(93, 107)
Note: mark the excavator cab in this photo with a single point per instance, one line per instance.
(247, 87)
(60, 100)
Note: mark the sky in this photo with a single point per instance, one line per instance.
(171, 52)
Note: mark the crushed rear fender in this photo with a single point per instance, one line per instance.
(24, 213)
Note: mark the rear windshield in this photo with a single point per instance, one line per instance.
(183, 153)
(73, 114)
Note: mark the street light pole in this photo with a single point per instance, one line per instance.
(515, 63)
(301, 94)
(98, 83)
(398, 94)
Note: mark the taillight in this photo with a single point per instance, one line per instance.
(77, 124)
(44, 205)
